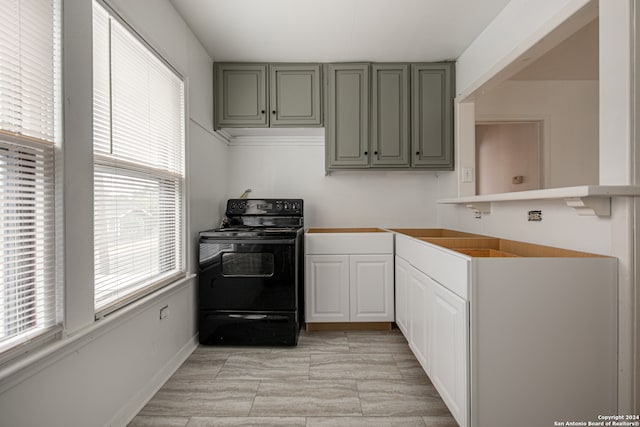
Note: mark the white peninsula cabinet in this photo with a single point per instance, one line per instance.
(348, 276)
(509, 333)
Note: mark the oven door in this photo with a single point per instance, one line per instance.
(248, 275)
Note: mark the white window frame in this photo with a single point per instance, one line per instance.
(47, 294)
(132, 167)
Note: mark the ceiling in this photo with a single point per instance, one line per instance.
(337, 30)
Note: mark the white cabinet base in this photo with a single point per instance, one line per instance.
(419, 317)
(326, 288)
(371, 295)
(449, 337)
(526, 341)
(438, 326)
(403, 269)
(349, 276)
(543, 335)
(349, 326)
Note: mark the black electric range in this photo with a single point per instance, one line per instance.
(251, 277)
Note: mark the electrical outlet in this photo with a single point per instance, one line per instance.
(164, 312)
(535, 216)
(478, 215)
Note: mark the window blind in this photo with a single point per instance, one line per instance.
(138, 166)
(29, 108)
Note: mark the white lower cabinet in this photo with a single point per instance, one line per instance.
(349, 277)
(327, 288)
(402, 296)
(371, 288)
(526, 340)
(419, 316)
(448, 348)
(438, 327)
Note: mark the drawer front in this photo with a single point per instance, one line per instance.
(442, 265)
(348, 243)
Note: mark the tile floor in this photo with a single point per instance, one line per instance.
(330, 379)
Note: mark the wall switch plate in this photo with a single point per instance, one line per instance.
(535, 216)
(467, 174)
(164, 312)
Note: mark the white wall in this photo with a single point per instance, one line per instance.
(103, 377)
(207, 180)
(102, 372)
(288, 168)
(570, 112)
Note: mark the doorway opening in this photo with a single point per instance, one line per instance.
(508, 156)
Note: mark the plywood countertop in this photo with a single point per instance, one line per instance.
(346, 230)
(433, 232)
(476, 245)
(495, 247)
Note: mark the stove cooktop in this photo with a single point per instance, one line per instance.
(259, 219)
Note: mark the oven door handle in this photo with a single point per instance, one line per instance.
(251, 241)
(248, 316)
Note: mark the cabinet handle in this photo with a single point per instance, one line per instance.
(417, 152)
(375, 153)
(273, 112)
(366, 152)
(262, 111)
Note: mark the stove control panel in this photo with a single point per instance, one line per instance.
(277, 207)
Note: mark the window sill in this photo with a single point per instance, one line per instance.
(585, 199)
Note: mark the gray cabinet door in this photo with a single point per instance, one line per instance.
(432, 112)
(390, 105)
(347, 119)
(295, 95)
(241, 95)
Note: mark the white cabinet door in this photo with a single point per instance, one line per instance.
(419, 316)
(327, 288)
(371, 282)
(448, 350)
(402, 295)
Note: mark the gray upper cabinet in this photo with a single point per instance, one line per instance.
(410, 120)
(432, 116)
(295, 95)
(390, 110)
(381, 115)
(241, 95)
(347, 116)
(261, 95)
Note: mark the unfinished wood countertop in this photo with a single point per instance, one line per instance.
(347, 230)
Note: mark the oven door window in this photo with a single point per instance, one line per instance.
(247, 264)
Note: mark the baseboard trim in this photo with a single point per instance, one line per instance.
(125, 415)
(350, 326)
